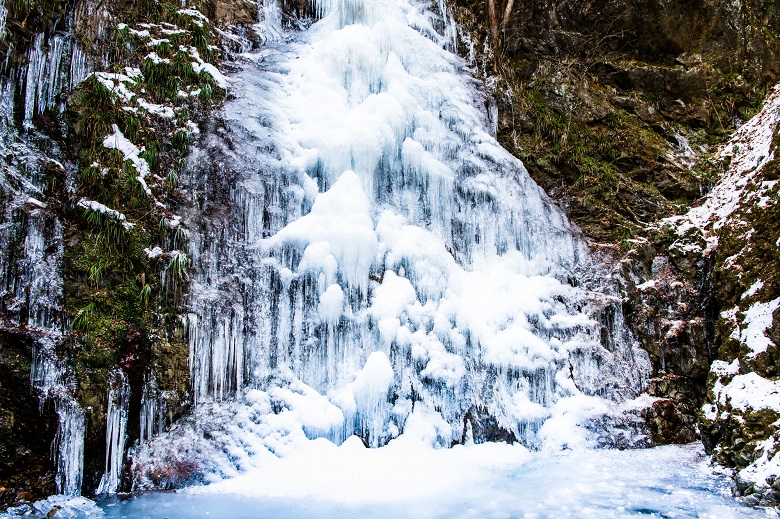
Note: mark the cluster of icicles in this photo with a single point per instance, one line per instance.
(384, 261)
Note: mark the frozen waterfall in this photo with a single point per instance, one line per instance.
(31, 235)
(368, 260)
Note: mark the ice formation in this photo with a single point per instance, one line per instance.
(116, 433)
(31, 236)
(367, 259)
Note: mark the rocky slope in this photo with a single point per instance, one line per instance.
(622, 111)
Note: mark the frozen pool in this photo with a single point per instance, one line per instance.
(480, 481)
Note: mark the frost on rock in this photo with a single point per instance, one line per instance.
(740, 418)
(373, 263)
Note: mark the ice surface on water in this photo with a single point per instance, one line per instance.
(408, 479)
(476, 481)
(356, 220)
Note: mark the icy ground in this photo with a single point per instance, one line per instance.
(404, 480)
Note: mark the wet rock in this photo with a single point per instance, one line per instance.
(483, 427)
(668, 424)
(26, 468)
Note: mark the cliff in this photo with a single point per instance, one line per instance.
(623, 111)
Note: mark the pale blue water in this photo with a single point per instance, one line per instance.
(674, 482)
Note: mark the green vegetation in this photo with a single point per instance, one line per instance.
(121, 315)
(594, 167)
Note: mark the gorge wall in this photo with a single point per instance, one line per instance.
(621, 111)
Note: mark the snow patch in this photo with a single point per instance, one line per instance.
(129, 151)
(757, 319)
(749, 391)
(754, 288)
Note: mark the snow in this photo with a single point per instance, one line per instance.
(153, 253)
(117, 141)
(199, 65)
(307, 407)
(341, 219)
(115, 83)
(154, 58)
(220, 79)
(754, 288)
(647, 285)
(166, 112)
(111, 213)
(468, 481)
(562, 430)
(194, 13)
(331, 304)
(749, 391)
(723, 369)
(765, 467)
(757, 319)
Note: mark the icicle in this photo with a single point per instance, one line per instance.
(54, 66)
(116, 433)
(48, 377)
(69, 446)
(149, 408)
(270, 26)
(3, 16)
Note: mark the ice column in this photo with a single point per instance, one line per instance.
(69, 444)
(116, 433)
(153, 409)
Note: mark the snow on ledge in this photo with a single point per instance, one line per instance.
(111, 213)
(749, 150)
(749, 391)
(757, 319)
(117, 141)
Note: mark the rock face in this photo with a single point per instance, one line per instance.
(739, 422)
(91, 272)
(26, 434)
(614, 105)
(619, 109)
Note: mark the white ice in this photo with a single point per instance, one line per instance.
(408, 479)
(386, 265)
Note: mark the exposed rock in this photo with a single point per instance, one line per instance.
(613, 105)
(739, 422)
(26, 429)
(230, 12)
(480, 426)
(668, 424)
